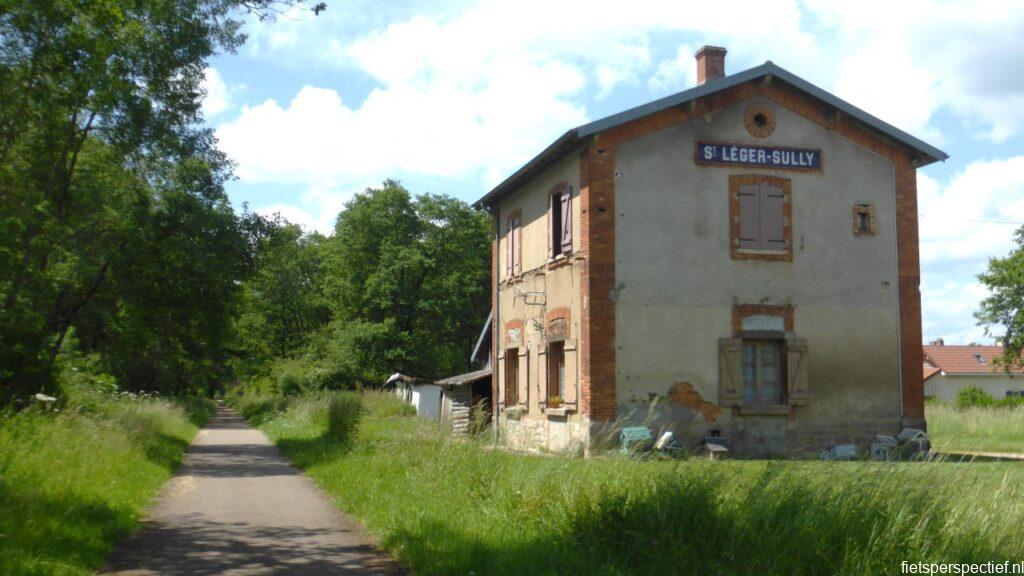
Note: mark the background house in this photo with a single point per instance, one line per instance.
(948, 368)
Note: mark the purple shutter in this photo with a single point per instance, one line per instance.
(773, 219)
(566, 204)
(517, 246)
(750, 218)
(508, 248)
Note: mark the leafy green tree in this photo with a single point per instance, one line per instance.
(99, 145)
(408, 280)
(283, 301)
(1002, 313)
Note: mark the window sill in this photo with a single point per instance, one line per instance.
(765, 410)
(515, 412)
(762, 252)
(559, 261)
(560, 411)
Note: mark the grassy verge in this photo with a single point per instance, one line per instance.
(73, 482)
(453, 507)
(976, 429)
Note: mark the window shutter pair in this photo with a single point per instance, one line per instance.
(796, 364)
(762, 217)
(730, 371)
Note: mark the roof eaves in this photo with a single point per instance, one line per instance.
(540, 161)
(928, 153)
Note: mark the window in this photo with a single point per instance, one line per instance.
(763, 381)
(762, 224)
(762, 371)
(561, 220)
(511, 376)
(760, 216)
(556, 370)
(864, 219)
(513, 244)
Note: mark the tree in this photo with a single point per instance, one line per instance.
(99, 138)
(283, 303)
(1003, 310)
(408, 282)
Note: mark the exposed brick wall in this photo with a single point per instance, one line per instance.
(597, 223)
(562, 313)
(515, 324)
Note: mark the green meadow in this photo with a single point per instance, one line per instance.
(75, 479)
(448, 506)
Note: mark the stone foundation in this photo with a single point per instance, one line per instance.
(545, 433)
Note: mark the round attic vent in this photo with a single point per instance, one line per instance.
(760, 120)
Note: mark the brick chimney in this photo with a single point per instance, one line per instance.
(710, 63)
(938, 342)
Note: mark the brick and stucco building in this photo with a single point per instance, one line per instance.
(742, 255)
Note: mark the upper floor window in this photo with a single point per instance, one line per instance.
(864, 219)
(760, 213)
(561, 220)
(513, 244)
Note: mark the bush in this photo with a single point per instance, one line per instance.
(1010, 402)
(344, 411)
(971, 396)
(259, 407)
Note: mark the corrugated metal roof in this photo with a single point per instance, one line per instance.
(926, 153)
(464, 378)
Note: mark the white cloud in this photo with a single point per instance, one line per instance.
(963, 224)
(922, 57)
(217, 97)
(437, 128)
(316, 210)
(675, 73)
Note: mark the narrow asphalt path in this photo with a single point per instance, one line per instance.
(237, 507)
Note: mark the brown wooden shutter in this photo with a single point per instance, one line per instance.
(773, 218)
(796, 367)
(730, 371)
(508, 248)
(566, 206)
(750, 218)
(517, 248)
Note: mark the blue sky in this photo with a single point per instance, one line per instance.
(451, 97)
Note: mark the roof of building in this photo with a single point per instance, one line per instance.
(924, 152)
(930, 371)
(466, 378)
(964, 359)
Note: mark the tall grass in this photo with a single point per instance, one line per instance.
(976, 429)
(73, 482)
(448, 506)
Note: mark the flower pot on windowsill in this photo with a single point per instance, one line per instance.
(554, 402)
